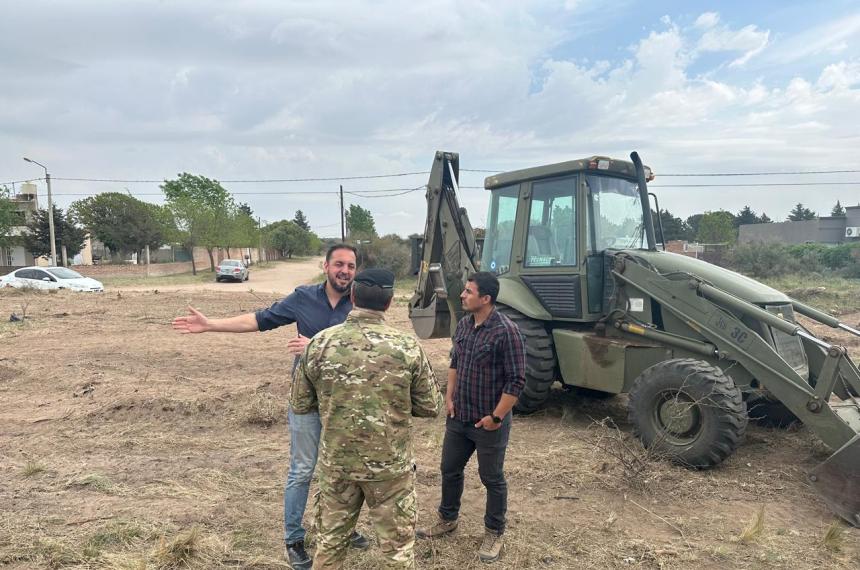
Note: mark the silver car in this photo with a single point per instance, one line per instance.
(233, 270)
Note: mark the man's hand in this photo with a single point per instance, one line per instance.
(488, 424)
(195, 322)
(297, 345)
(449, 406)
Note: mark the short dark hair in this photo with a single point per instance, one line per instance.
(371, 296)
(338, 246)
(488, 284)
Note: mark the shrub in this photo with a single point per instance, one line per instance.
(389, 252)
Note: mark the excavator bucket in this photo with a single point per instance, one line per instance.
(837, 480)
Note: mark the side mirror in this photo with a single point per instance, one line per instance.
(46, 279)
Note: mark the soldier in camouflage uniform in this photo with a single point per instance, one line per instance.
(367, 379)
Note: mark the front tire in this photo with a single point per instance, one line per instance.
(688, 411)
(540, 360)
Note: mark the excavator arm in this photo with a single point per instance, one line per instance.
(447, 253)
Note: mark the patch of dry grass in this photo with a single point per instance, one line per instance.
(754, 529)
(32, 468)
(94, 481)
(264, 410)
(834, 537)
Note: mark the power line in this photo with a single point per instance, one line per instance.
(251, 181)
(754, 184)
(800, 172)
(703, 174)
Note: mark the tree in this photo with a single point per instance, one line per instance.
(290, 239)
(693, 224)
(674, 228)
(359, 222)
(801, 213)
(245, 209)
(66, 233)
(716, 227)
(202, 209)
(301, 221)
(745, 217)
(838, 211)
(123, 223)
(8, 216)
(763, 219)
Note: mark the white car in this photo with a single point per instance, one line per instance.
(50, 278)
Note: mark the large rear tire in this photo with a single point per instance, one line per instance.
(540, 360)
(688, 411)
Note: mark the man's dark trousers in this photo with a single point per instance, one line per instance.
(462, 439)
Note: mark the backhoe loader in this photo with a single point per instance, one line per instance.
(603, 309)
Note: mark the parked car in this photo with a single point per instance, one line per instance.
(50, 278)
(232, 269)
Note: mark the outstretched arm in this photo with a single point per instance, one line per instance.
(197, 322)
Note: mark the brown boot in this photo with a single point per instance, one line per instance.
(441, 528)
(491, 547)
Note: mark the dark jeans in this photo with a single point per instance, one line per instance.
(461, 440)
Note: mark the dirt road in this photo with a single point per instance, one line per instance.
(280, 278)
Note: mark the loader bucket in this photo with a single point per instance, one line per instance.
(837, 480)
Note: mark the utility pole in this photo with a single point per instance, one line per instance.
(50, 213)
(342, 217)
(260, 248)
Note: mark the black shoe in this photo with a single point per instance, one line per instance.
(358, 541)
(297, 556)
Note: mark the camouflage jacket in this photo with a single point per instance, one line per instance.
(367, 380)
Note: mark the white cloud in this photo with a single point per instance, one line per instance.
(707, 20)
(749, 39)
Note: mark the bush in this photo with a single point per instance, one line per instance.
(389, 252)
(770, 260)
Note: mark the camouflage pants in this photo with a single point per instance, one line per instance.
(393, 511)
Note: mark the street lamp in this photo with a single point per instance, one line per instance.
(50, 212)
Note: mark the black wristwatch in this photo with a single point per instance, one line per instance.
(496, 419)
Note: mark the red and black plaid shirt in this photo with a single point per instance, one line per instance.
(490, 360)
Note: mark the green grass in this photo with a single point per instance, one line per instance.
(835, 295)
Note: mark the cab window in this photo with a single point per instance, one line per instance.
(496, 255)
(551, 234)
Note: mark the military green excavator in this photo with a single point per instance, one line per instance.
(697, 348)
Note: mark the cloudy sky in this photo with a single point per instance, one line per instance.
(238, 90)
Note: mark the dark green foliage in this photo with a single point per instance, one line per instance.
(66, 233)
(838, 210)
(290, 239)
(359, 223)
(799, 212)
(674, 228)
(300, 220)
(123, 223)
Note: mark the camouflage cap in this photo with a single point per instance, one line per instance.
(379, 277)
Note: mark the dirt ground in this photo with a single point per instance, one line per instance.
(125, 445)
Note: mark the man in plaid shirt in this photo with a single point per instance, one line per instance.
(485, 378)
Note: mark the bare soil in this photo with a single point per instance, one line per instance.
(125, 445)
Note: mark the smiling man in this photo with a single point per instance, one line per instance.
(485, 378)
(313, 308)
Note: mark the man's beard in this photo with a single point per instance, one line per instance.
(338, 288)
